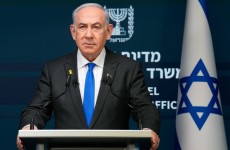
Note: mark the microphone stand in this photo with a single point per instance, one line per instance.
(67, 84)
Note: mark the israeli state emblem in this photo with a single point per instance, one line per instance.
(123, 22)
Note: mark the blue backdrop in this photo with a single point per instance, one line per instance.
(33, 32)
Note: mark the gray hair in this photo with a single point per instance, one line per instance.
(90, 5)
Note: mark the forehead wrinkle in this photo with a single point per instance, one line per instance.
(96, 23)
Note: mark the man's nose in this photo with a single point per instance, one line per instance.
(89, 33)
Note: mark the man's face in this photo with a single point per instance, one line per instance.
(90, 31)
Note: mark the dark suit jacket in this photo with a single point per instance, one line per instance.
(111, 110)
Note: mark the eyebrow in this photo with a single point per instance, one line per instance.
(96, 23)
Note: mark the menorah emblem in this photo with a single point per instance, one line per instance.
(118, 15)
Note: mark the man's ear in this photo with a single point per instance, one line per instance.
(73, 31)
(109, 31)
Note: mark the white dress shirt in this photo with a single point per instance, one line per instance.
(82, 69)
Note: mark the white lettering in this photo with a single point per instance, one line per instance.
(148, 56)
(153, 91)
(164, 73)
(166, 104)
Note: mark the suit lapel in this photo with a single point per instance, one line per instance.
(71, 64)
(110, 66)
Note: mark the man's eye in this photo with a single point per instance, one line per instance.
(96, 28)
(82, 28)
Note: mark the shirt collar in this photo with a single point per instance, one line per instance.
(99, 61)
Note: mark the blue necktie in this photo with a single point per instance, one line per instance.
(88, 103)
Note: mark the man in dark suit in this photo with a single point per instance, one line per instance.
(118, 83)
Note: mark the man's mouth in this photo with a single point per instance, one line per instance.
(88, 43)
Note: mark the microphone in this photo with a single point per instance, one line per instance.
(135, 113)
(32, 120)
(68, 80)
(136, 116)
(75, 82)
(108, 79)
(67, 84)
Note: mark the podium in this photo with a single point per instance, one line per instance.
(84, 139)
